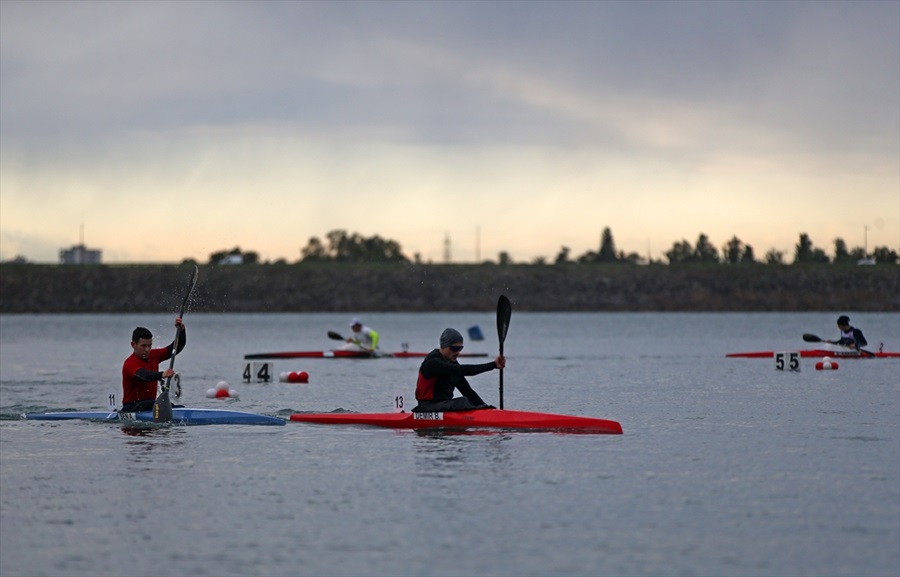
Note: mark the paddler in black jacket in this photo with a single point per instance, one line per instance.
(440, 374)
(851, 337)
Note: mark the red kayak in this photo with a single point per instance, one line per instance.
(338, 354)
(819, 353)
(484, 418)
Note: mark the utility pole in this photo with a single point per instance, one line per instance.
(447, 248)
(477, 244)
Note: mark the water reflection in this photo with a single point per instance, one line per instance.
(446, 453)
(145, 438)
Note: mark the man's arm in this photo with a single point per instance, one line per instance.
(438, 367)
(182, 340)
(148, 375)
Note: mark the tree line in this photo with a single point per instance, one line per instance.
(339, 246)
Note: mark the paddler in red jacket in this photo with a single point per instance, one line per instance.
(140, 371)
(440, 374)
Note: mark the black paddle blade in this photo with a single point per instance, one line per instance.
(504, 312)
(195, 274)
(335, 336)
(162, 407)
(811, 338)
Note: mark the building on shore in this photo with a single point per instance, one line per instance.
(80, 254)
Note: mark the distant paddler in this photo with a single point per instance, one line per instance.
(362, 338)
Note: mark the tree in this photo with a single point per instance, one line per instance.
(588, 257)
(607, 252)
(841, 254)
(607, 247)
(805, 252)
(314, 251)
(563, 256)
(704, 251)
(733, 251)
(343, 247)
(504, 258)
(681, 252)
(630, 258)
(748, 257)
(857, 254)
(884, 255)
(774, 257)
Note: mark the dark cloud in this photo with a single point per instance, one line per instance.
(77, 75)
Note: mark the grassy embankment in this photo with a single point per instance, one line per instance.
(369, 287)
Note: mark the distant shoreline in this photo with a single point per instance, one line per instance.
(341, 287)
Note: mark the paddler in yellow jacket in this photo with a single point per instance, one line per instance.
(362, 339)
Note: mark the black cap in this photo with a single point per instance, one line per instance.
(843, 320)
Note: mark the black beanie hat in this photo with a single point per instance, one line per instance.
(450, 336)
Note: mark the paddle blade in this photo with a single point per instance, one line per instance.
(811, 338)
(195, 274)
(335, 336)
(504, 312)
(162, 407)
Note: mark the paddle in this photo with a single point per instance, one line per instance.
(504, 312)
(335, 336)
(810, 338)
(162, 407)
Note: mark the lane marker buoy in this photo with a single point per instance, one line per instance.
(222, 391)
(294, 377)
(826, 364)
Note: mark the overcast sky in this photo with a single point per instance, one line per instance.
(172, 130)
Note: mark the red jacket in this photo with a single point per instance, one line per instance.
(140, 377)
(135, 388)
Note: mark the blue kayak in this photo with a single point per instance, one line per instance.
(180, 416)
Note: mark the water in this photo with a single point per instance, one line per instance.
(727, 466)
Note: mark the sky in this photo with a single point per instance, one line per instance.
(159, 131)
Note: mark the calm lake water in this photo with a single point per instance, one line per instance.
(727, 466)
